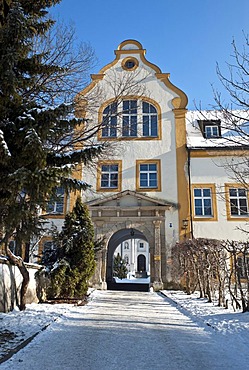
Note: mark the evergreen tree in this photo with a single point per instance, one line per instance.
(36, 154)
(71, 273)
(119, 267)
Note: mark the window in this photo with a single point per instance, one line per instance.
(149, 120)
(211, 131)
(126, 259)
(148, 175)
(204, 202)
(129, 64)
(238, 202)
(141, 245)
(137, 119)
(210, 128)
(109, 176)
(126, 245)
(56, 203)
(129, 126)
(109, 125)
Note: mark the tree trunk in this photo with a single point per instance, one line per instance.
(18, 261)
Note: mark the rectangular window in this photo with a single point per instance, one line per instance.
(204, 202)
(109, 176)
(56, 203)
(129, 127)
(211, 131)
(238, 202)
(148, 175)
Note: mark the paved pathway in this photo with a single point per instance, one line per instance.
(128, 331)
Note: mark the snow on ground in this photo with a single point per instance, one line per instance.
(17, 327)
(223, 320)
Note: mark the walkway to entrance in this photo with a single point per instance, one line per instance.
(123, 330)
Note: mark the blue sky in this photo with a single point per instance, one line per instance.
(183, 37)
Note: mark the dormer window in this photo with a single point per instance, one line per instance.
(210, 129)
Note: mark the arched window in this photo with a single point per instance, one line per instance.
(135, 119)
(129, 124)
(149, 120)
(109, 123)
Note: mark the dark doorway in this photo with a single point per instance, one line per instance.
(141, 263)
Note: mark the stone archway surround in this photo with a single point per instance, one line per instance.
(124, 211)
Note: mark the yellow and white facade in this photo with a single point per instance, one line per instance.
(162, 178)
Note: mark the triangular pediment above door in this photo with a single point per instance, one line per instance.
(129, 199)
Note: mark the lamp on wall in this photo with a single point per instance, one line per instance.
(185, 226)
(132, 232)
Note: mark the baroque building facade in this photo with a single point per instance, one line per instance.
(164, 176)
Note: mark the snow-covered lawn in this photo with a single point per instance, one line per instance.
(16, 327)
(223, 320)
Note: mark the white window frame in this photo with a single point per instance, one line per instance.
(149, 172)
(237, 198)
(212, 134)
(133, 121)
(56, 204)
(203, 198)
(111, 174)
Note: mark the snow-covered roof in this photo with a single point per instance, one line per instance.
(234, 129)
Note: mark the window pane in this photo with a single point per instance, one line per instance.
(234, 207)
(105, 131)
(145, 107)
(152, 109)
(153, 180)
(133, 106)
(105, 168)
(59, 207)
(106, 110)
(126, 105)
(133, 126)
(145, 125)
(215, 131)
(242, 192)
(197, 192)
(198, 210)
(104, 183)
(143, 167)
(233, 192)
(125, 129)
(207, 202)
(206, 192)
(143, 181)
(154, 126)
(152, 167)
(114, 167)
(207, 210)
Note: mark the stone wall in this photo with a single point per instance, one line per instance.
(10, 285)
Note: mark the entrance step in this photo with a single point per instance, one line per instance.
(128, 287)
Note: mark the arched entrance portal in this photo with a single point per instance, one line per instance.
(115, 217)
(126, 243)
